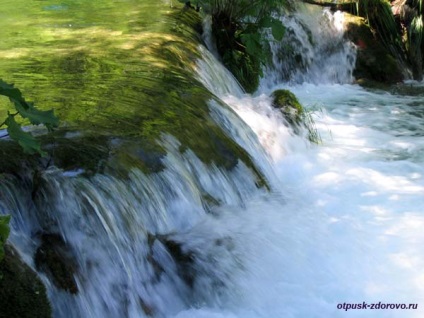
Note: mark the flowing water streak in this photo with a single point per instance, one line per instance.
(117, 232)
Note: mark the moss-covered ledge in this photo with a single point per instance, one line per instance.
(22, 294)
(116, 101)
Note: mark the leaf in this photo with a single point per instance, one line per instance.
(252, 43)
(277, 27)
(9, 90)
(25, 140)
(27, 110)
(265, 22)
(4, 233)
(36, 116)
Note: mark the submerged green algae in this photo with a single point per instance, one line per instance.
(119, 76)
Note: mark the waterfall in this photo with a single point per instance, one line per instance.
(120, 234)
(313, 50)
(341, 222)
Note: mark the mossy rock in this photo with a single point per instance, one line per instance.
(374, 61)
(299, 120)
(22, 294)
(289, 106)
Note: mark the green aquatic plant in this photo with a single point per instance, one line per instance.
(28, 111)
(308, 121)
(416, 32)
(414, 38)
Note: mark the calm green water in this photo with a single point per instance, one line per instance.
(112, 69)
(72, 52)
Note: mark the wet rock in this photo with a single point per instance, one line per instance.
(53, 257)
(22, 294)
(148, 310)
(209, 202)
(184, 260)
(157, 268)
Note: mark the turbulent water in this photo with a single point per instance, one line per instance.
(313, 50)
(346, 223)
(342, 223)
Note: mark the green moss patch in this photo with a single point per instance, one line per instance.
(289, 105)
(293, 112)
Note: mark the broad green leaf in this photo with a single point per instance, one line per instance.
(4, 233)
(252, 43)
(25, 140)
(265, 22)
(27, 110)
(36, 116)
(10, 91)
(277, 29)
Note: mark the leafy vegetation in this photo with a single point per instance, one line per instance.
(374, 61)
(380, 17)
(398, 24)
(402, 32)
(414, 38)
(238, 27)
(25, 110)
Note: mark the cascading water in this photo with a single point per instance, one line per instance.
(349, 226)
(313, 50)
(342, 222)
